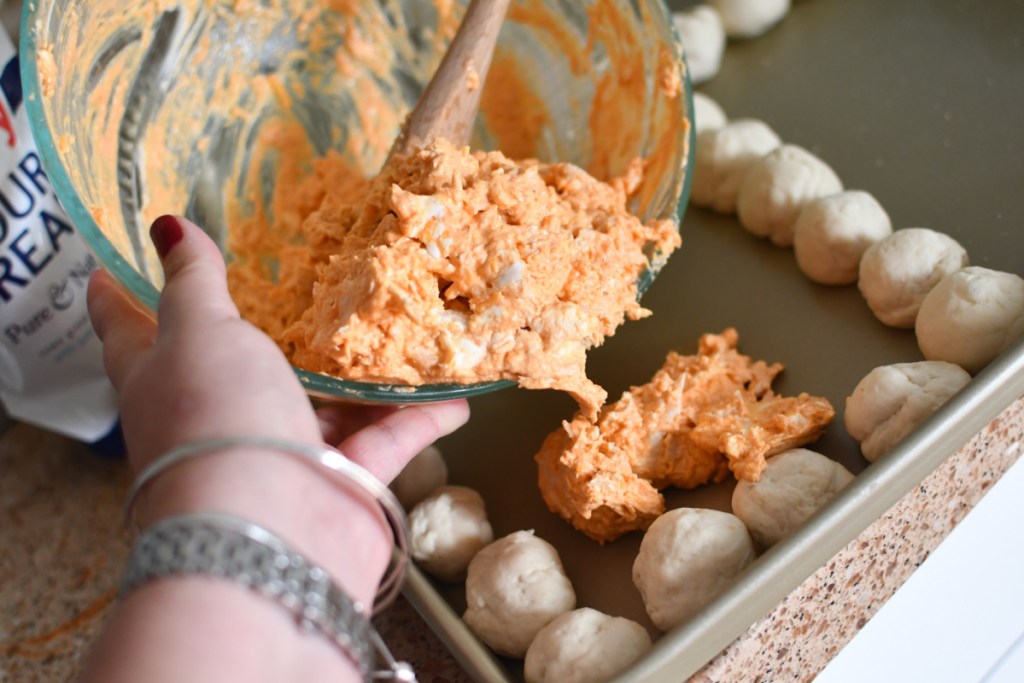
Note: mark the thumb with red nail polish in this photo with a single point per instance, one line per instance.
(195, 289)
(165, 232)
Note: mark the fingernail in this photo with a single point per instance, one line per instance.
(165, 232)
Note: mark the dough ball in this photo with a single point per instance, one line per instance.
(794, 485)
(707, 114)
(892, 400)
(971, 317)
(687, 557)
(777, 186)
(749, 18)
(515, 587)
(585, 646)
(896, 272)
(703, 39)
(832, 233)
(421, 476)
(722, 159)
(446, 529)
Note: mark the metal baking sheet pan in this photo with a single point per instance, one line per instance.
(918, 102)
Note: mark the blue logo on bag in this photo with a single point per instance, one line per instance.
(10, 83)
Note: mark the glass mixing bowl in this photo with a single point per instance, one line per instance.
(146, 108)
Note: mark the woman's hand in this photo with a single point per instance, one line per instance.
(200, 372)
(203, 372)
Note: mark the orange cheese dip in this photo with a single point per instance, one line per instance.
(699, 418)
(452, 266)
(448, 266)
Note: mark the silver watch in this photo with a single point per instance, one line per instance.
(226, 546)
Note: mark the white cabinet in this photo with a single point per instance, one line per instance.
(960, 617)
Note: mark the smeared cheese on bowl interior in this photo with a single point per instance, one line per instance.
(276, 112)
(456, 266)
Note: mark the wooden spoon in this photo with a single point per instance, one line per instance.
(448, 105)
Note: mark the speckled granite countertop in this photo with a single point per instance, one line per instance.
(64, 544)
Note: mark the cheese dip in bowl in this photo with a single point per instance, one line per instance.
(266, 123)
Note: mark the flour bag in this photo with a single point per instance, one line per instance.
(51, 363)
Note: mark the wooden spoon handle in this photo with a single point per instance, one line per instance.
(448, 105)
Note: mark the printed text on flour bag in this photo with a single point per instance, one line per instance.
(51, 361)
(32, 226)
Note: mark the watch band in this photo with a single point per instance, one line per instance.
(226, 546)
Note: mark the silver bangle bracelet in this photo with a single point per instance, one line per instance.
(227, 547)
(324, 459)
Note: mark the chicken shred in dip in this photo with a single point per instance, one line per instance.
(452, 266)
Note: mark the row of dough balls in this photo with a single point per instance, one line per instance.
(521, 604)
(703, 30)
(922, 279)
(912, 278)
(520, 601)
(689, 556)
(962, 316)
(448, 525)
